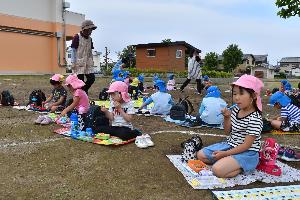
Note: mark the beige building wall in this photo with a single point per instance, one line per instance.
(28, 36)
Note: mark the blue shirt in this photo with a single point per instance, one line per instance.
(291, 112)
(162, 103)
(210, 110)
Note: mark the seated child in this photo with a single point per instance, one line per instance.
(120, 113)
(141, 82)
(57, 99)
(206, 82)
(171, 83)
(240, 151)
(133, 88)
(289, 119)
(211, 106)
(161, 99)
(286, 87)
(80, 102)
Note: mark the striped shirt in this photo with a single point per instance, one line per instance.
(241, 127)
(291, 112)
(194, 69)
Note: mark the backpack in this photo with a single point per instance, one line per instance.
(7, 99)
(103, 95)
(36, 98)
(179, 110)
(190, 148)
(95, 118)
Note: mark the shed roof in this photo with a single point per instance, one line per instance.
(166, 44)
(290, 60)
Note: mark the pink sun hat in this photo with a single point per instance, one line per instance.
(74, 81)
(119, 86)
(251, 82)
(57, 77)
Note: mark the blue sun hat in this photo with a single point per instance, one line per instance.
(161, 85)
(205, 78)
(286, 85)
(213, 91)
(141, 78)
(116, 73)
(281, 98)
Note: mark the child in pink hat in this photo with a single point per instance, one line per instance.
(240, 152)
(57, 99)
(80, 99)
(119, 113)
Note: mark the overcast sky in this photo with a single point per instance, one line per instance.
(210, 25)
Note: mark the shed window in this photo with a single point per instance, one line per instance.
(151, 52)
(178, 53)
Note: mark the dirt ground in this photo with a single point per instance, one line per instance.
(37, 164)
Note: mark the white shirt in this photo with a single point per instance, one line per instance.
(118, 119)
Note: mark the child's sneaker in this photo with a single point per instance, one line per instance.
(39, 119)
(46, 120)
(140, 142)
(148, 140)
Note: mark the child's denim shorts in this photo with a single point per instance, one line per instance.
(248, 160)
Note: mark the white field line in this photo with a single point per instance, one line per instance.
(14, 144)
(190, 133)
(206, 134)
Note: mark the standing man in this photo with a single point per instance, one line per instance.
(82, 57)
(194, 71)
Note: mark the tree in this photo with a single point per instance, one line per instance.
(288, 8)
(211, 60)
(232, 56)
(168, 40)
(128, 53)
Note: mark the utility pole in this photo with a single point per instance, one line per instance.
(106, 58)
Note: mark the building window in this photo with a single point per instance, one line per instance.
(178, 53)
(69, 55)
(151, 52)
(247, 62)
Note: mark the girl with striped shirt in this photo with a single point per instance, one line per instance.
(289, 119)
(243, 124)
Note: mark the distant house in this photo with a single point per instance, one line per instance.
(290, 66)
(250, 61)
(263, 71)
(170, 56)
(256, 65)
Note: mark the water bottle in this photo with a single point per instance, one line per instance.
(74, 125)
(89, 132)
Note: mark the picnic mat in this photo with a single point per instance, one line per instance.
(111, 141)
(278, 192)
(289, 174)
(137, 103)
(279, 132)
(188, 123)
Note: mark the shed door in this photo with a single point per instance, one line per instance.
(259, 74)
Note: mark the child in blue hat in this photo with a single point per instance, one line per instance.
(161, 99)
(286, 87)
(289, 119)
(210, 109)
